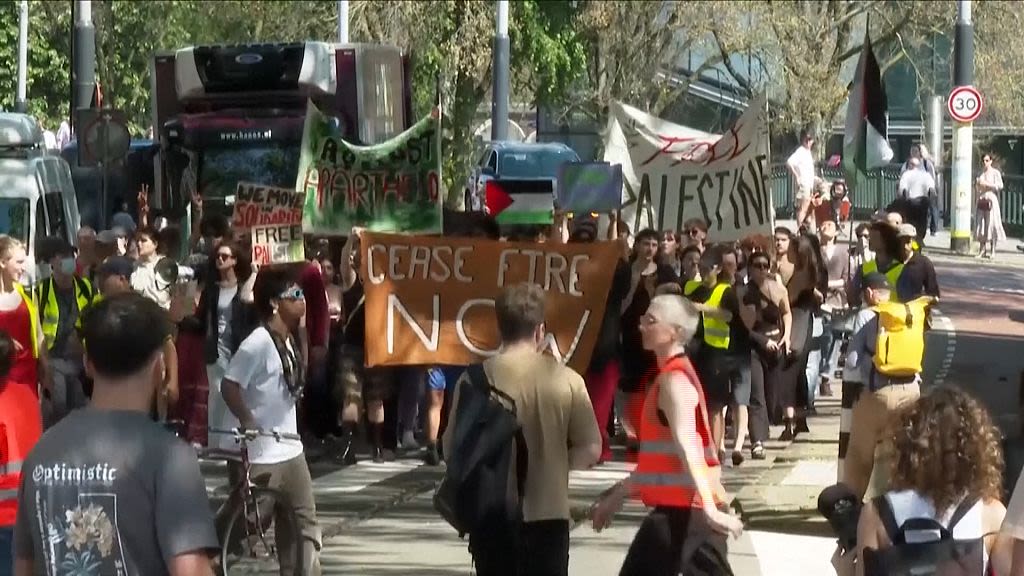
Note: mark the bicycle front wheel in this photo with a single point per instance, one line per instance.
(262, 537)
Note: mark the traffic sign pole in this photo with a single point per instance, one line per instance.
(963, 131)
(963, 144)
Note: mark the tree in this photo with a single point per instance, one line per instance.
(808, 46)
(999, 51)
(451, 40)
(49, 49)
(633, 47)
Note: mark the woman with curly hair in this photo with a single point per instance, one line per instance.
(943, 451)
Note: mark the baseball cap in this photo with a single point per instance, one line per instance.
(907, 231)
(116, 266)
(877, 281)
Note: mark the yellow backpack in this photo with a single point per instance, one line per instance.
(899, 350)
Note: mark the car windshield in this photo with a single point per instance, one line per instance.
(223, 168)
(534, 164)
(14, 217)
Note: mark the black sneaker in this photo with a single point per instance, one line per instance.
(382, 455)
(737, 458)
(346, 454)
(431, 457)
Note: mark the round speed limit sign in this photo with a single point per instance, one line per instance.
(964, 104)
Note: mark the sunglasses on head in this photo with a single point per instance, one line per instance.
(293, 294)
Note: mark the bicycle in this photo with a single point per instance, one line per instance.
(246, 546)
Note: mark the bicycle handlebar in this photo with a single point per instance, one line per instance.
(246, 435)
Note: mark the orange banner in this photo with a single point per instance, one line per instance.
(430, 300)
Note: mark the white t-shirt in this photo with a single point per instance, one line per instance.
(225, 295)
(802, 162)
(916, 182)
(257, 368)
(144, 281)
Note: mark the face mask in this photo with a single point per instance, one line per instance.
(67, 266)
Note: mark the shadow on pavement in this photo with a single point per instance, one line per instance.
(796, 522)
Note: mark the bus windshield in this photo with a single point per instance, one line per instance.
(264, 163)
(14, 217)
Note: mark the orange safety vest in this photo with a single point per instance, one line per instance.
(661, 477)
(21, 426)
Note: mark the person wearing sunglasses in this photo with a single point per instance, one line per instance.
(765, 307)
(988, 215)
(225, 318)
(696, 230)
(262, 386)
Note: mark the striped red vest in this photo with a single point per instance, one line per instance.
(661, 477)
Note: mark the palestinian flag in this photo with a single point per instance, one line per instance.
(865, 143)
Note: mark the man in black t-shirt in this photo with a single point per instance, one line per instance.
(724, 360)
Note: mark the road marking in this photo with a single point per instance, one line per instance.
(347, 480)
(600, 476)
(352, 479)
(776, 558)
(944, 324)
(819, 473)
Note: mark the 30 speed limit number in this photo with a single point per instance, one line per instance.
(964, 104)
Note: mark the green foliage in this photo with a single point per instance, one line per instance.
(49, 49)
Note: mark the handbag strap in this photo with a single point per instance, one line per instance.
(887, 516)
(962, 509)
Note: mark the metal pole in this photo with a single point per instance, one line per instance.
(343, 21)
(934, 138)
(83, 68)
(500, 96)
(963, 134)
(20, 103)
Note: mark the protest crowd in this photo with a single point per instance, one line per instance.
(510, 354)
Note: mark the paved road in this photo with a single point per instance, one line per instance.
(980, 348)
(378, 518)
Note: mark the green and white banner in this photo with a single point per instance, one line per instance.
(394, 186)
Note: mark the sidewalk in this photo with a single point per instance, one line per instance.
(937, 247)
(404, 535)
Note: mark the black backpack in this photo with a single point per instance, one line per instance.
(477, 492)
(939, 555)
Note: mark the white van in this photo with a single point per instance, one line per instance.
(37, 198)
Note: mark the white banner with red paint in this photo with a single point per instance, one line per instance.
(674, 173)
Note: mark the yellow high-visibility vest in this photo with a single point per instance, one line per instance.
(892, 274)
(691, 286)
(51, 312)
(716, 332)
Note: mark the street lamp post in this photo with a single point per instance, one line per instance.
(83, 65)
(20, 103)
(343, 21)
(500, 96)
(963, 134)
